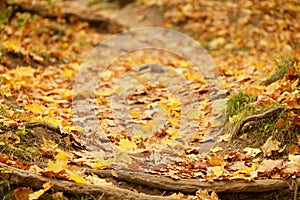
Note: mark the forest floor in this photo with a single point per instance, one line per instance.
(63, 136)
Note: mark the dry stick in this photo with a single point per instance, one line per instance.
(263, 115)
(190, 186)
(33, 180)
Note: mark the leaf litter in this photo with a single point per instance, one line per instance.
(243, 46)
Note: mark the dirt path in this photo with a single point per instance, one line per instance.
(50, 63)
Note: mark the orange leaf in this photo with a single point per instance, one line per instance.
(22, 193)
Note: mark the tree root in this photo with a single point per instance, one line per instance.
(33, 180)
(238, 127)
(190, 186)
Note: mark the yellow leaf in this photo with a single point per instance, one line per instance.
(172, 133)
(51, 120)
(36, 194)
(24, 72)
(173, 121)
(60, 164)
(173, 102)
(47, 185)
(184, 63)
(47, 99)
(250, 169)
(68, 73)
(134, 114)
(167, 141)
(126, 145)
(196, 77)
(204, 101)
(216, 171)
(119, 90)
(203, 194)
(15, 45)
(100, 164)
(40, 192)
(75, 177)
(74, 128)
(67, 94)
(216, 149)
(235, 118)
(99, 161)
(48, 147)
(104, 93)
(177, 196)
(35, 108)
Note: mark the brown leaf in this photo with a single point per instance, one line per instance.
(267, 166)
(280, 123)
(269, 146)
(22, 193)
(213, 160)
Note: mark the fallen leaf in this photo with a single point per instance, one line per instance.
(22, 193)
(40, 192)
(126, 145)
(60, 164)
(216, 149)
(269, 146)
(251, 152)
(202, 194)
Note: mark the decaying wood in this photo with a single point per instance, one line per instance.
(238, 127)
(33, 180)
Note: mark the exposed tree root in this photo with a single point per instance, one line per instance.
(238, 127)
(190, 186)
(33, 180)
